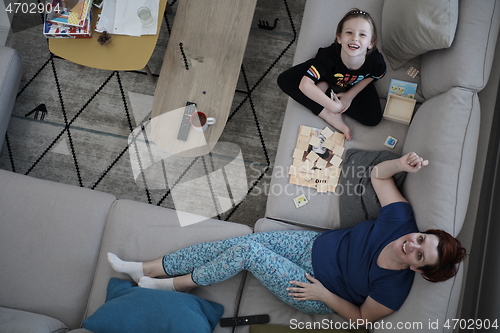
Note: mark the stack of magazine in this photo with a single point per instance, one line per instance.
(68, 19)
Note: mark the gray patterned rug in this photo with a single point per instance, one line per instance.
(88, 127)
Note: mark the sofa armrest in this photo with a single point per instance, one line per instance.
(50, 239)
(11, 68)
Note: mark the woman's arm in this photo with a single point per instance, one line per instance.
(311, 90)
(370, 310)
(382, 181)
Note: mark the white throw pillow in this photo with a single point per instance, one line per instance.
(411, 28)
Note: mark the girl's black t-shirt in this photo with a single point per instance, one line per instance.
(328, 66)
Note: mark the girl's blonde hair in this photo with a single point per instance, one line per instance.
(354, 13)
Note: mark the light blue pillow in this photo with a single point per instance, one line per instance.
(133, 309)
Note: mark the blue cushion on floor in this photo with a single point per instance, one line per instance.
(133, 309)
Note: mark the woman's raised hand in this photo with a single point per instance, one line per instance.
(411, 162)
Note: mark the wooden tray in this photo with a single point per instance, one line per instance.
(399, 109)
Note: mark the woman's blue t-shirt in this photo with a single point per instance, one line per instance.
(345, 260)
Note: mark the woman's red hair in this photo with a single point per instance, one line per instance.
(451, 254)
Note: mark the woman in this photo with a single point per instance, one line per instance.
(364, 272)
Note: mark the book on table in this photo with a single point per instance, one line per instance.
(70, 12)
(58, 30)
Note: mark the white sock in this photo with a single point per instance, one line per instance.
(134, 269)
(152, 283)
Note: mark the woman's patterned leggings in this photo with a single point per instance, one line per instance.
(274, 258)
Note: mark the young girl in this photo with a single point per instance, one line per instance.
(364, 272)
(340, 78)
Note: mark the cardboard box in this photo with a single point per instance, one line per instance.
(399, 109)
(402, 88)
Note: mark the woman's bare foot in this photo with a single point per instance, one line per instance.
(336, 120)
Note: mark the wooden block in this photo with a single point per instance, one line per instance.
(390, 142)
(320, 175)
(327, 132)
(302, 181)
(303, 145)
(321, 163)
(312, 156)
(322, 187)
(335, 171)
(306, 182)
(306, 165)
(336, 160)
(412, 72)
(333, 181)
(293, 170)
(297, 163)
(311, 184)
(304, 138)
(332, 188)
(326, 172)
(300, 201)
(314, 141)
(338, 150)
(294, 180)
(329, 143)
(337, 137)
(298, 154)
(305, 175)
(305, 130)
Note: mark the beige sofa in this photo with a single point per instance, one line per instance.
(11, 68)
(54, 237)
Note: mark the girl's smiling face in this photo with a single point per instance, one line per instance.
(356, 36)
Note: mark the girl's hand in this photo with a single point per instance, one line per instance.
(313, 291)
(338, 106)
(346, 101)
(411, 162)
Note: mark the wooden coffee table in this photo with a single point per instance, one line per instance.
(214, 35)
(123, 53)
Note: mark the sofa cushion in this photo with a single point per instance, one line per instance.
(132, 309)
(50, 240)
(11, 67)
(445, 131)
(411, 28)
(16, 321)
(467, 63)
(139, 232)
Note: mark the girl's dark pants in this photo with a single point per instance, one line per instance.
(365, 107)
